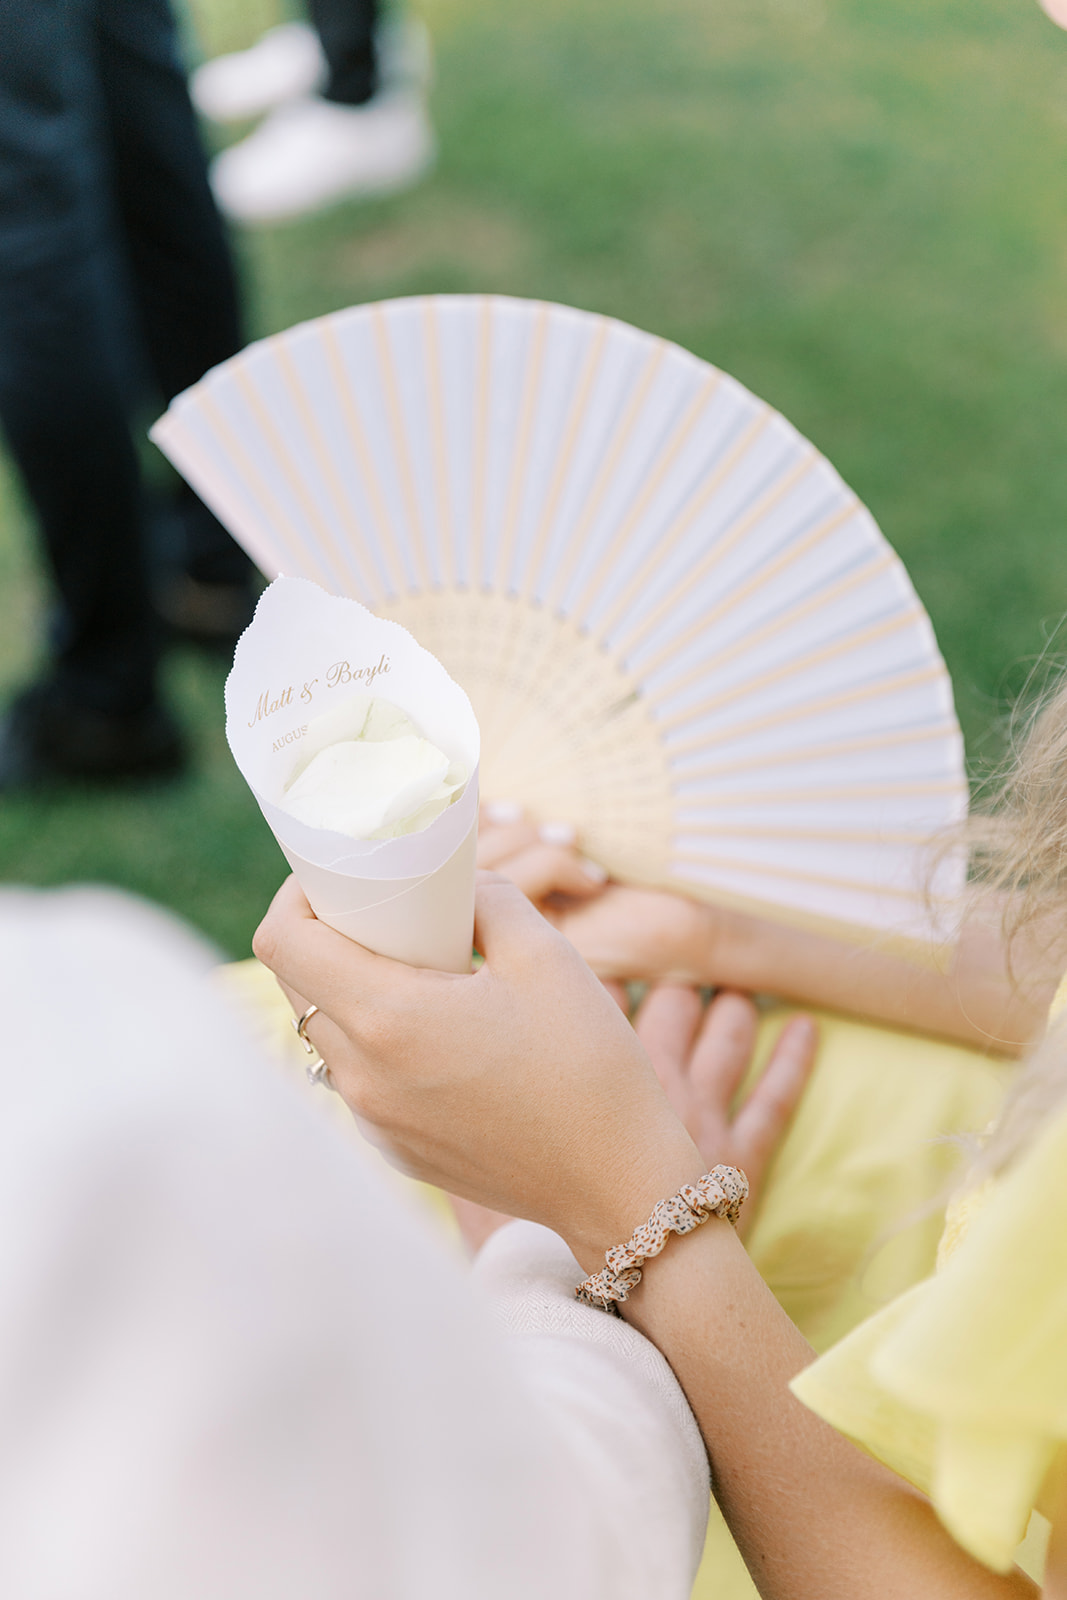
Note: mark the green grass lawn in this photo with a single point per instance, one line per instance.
(858, 209)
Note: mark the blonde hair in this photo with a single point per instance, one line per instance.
(1018, 845)
(1019, 839)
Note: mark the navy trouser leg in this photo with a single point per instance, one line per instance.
(91, 292)
(65, 372)
(179, 261)
(346, 30)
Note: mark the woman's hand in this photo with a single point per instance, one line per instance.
(702, 1057)
(522, 1086)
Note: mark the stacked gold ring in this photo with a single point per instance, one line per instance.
(317, 1071)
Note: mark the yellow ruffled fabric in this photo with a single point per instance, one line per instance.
(853, 1206)
(961, 1384)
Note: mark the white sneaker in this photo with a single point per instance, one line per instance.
(312, 152)
(287, 62)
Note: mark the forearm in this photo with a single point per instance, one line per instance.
(974, 998)
(814, 1518)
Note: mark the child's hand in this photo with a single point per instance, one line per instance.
(623, 933)
(702, 1057)
(542, 861)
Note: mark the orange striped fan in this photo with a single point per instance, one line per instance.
(679, 629)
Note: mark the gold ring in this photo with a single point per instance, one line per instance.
(318, 1072)
(299, 1026)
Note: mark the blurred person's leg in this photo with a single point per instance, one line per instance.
(346, 30)
(182, 278)
(112, 259)
(366, 132)
(64, 398)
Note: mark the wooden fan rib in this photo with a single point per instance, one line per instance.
(539, 656)
(883, 686)
(345, 512)
(668, 455)
(482, 580)
(571, 431)
(481, 444)
(862, 791)
(234, 444)
(926, 945)
(442, 488)
(580, 689)
(939, 730)
(749, 434)
(521, 453)
(726, 542)
(631, 412)
(580, 736)
(785, 619)
(897, 836)
(668, 542)
(398, 433)
(387, 540)
(814, 658)
(232, 500)
(289, 469)
(529, 643)
(604, 728)
(800, 875)
(497, 703)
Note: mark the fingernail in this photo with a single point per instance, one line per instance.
(594, 870)
(503, 811)
(556, 833)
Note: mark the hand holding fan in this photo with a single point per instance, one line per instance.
(679, 629)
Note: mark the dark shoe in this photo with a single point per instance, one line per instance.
(48, 739)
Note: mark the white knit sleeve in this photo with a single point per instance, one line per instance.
(613, 1403)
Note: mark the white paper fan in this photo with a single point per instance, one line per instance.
(680, 630)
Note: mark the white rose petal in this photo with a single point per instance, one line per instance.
(366, 770)
(386, 721)
(346, 721)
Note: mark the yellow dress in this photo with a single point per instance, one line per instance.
(961, 1384)
(850, 1214)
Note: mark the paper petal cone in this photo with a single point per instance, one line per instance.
(411, 898)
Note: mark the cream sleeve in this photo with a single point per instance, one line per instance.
(614, 1406)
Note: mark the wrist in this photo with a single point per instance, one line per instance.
(629, 1200)
(718, 947)
(740, 951)
(711, 1254)
(719, 1193)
